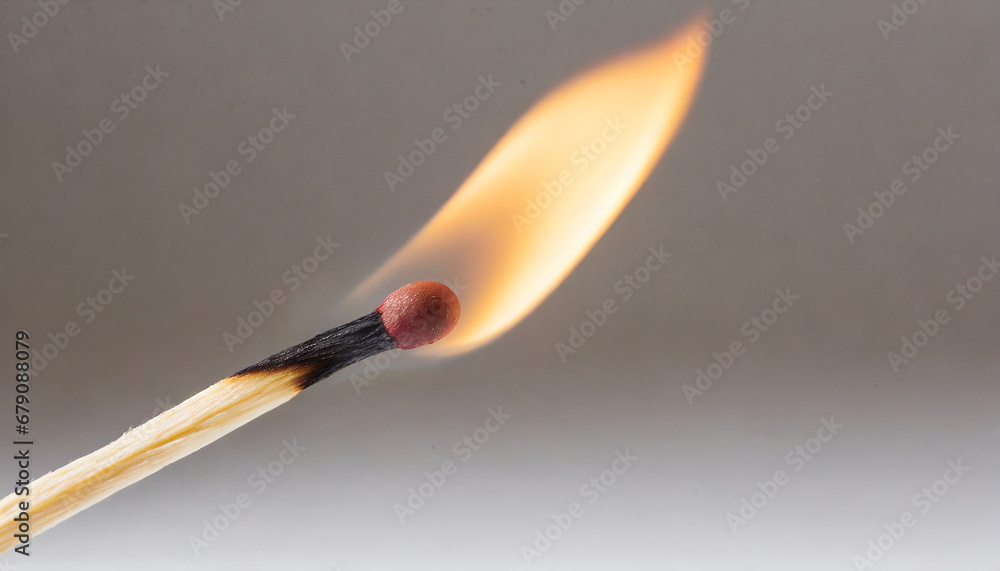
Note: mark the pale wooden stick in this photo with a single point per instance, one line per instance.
(173, 434)
(414, 315)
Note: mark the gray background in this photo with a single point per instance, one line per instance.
(160, 340)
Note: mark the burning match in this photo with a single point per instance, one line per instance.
(415, 315)
(520, 223)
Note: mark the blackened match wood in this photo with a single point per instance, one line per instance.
(414, 315)
(330, 351)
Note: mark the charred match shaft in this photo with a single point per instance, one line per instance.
(414, 315)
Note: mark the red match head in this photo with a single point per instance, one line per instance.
(419, 313)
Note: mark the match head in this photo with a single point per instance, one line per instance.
(419, 313)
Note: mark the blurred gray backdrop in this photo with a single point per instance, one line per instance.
(814, 447)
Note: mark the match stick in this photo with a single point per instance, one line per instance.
(416, 314)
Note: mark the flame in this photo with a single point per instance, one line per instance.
(549, 189)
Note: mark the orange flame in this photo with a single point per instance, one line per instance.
(549, 190)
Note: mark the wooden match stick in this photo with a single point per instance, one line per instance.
(414, 315)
